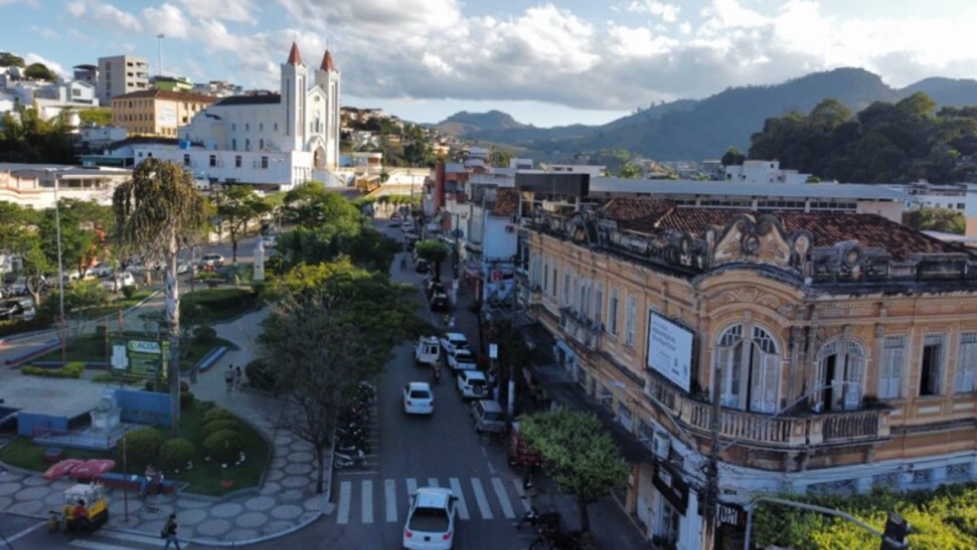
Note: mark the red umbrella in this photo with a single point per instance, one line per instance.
(92, 469)
(62, 468)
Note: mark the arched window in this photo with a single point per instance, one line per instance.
(749, 369)
(841, 372)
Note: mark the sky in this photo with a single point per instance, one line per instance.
(547, 63)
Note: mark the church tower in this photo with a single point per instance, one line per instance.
(294, 74)
(328, 78)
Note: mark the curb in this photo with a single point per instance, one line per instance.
(47, 346)
(218, 543)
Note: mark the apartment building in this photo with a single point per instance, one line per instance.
(839, 349)
(121, 74)
(157, 112)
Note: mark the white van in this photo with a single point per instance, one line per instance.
(427, 351)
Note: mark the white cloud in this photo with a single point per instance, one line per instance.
(241, 11)
(46, 33)
(31, 58)
(104, 16)
(168, 20)
(668, 12)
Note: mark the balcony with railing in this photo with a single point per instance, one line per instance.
(577, 327)
(787, 431)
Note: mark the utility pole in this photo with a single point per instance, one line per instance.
(712, 468)
(159, 54)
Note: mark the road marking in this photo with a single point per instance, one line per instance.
(522, 496)
(411, 486)
(131, 537)
(483, 505)
(345, 491)
(462, 507)
(367, 501)
(390, 496)
(503, 498)
(81, 543)
(432, 482)
(25, 532)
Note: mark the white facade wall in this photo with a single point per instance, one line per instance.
(764, 171)
(121, 74)
(254, 167)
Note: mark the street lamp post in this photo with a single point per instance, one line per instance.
(57, 226)
(159, 54)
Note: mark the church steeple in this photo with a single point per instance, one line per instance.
(294, 58)
(327, 64)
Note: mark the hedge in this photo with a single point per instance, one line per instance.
(218, 413)
(17, 326)
(224, 446)
(944, 519)
(261, 376)
(175, 453)
(73, 369)
(141, 446)
(218, 425)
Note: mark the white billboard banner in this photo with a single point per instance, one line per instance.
(670, 350)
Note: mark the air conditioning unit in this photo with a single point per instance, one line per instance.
(661, 444)
(510, 228)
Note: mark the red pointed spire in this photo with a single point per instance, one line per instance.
(327, 64)
(294, 58)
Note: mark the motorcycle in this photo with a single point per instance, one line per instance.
(437, 375)
(346, 460)
(534, 519)
(349, 447)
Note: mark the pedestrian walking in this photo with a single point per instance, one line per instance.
(237, 378)
(169, 533)
(229, 377)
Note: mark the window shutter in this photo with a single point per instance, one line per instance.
(854, 377)
(766, 379)
(724, 364)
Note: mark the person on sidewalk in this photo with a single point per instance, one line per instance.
(229, 377)
(170, 531)
(153, 479)
(237, 378)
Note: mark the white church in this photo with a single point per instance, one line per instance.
(281, 139)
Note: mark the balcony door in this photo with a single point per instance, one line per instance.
(841, 370)
(749, 369)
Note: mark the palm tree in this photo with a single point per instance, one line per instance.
(157, 212)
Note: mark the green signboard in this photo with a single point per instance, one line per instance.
(140, 358)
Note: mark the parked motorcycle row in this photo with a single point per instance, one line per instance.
(351, 444)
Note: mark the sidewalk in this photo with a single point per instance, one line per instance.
(284, 503)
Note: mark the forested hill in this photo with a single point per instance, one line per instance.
(697, 129)
(887, 142)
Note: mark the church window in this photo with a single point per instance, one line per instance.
(233, 127)
(237, 161)
(276, 126)
(261, 144)
(261, 126)
(247, 144)
(234, 145)
(264, 163)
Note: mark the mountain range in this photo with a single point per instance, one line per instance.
(690, 129)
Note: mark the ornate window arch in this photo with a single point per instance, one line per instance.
(840, 380)
(749, 368)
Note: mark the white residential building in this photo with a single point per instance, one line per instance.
(32, 185)
(764, 171)
(121, 74)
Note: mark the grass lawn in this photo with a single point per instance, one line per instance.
(206, 478)
(220, 304)
(121, 302)
(89, 347)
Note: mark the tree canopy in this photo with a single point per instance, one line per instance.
(40, 71)
(237, 206)
(8, 59)
(578, 453)
(935, 219)
(884, 143)
(26, 137)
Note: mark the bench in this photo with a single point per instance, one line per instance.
(131, 482)
(212, 358)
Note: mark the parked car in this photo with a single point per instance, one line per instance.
(431, 519)
(268, 241)
(488, 416)
(418, 398)
(461, 359)
(184, 267)
(394, 223)
(440, 303)
(432, 287)
(452, 340)
(115, 283)
(10, 309)
(396, 216)
(100, 270)
(19, 286)
(427, 351)
(472, 384)
(422, 266)
(212, 260)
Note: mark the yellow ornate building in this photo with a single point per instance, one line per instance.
(835, 351)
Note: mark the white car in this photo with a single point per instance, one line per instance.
(461, 359)
(269, 241)
(418, 398)
(431, 519)
(212, 260)
(115, 283)
(453, 340)
(427, 351)
(472, 384)
(101, 269)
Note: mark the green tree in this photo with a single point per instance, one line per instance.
(8, 59)
(237, 206)
(40, 71)
(19, 234)
(332, 325)
(630, 171)
(157, 212)
(26, 137)
(733, 157)
(81, 224)
(434, 252)
(578, 453)
(311, 205)
(944, 220)
(98, 116)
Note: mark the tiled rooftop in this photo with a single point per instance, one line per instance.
(506, 201)
(826, 228)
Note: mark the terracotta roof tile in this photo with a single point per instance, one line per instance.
(327, 64)
(167, 95)
(506, 201)
(294, 58)
(637, 214)
(827, 229)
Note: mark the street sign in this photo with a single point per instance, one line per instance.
(493, 351)
(141, 358)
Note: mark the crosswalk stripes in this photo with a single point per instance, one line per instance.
(503, 498)
(480, 499)
(462, 506)
(114, 540)
(390, 496)
(368, 494)
(517, 484)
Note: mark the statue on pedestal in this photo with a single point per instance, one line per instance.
(107, 413)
